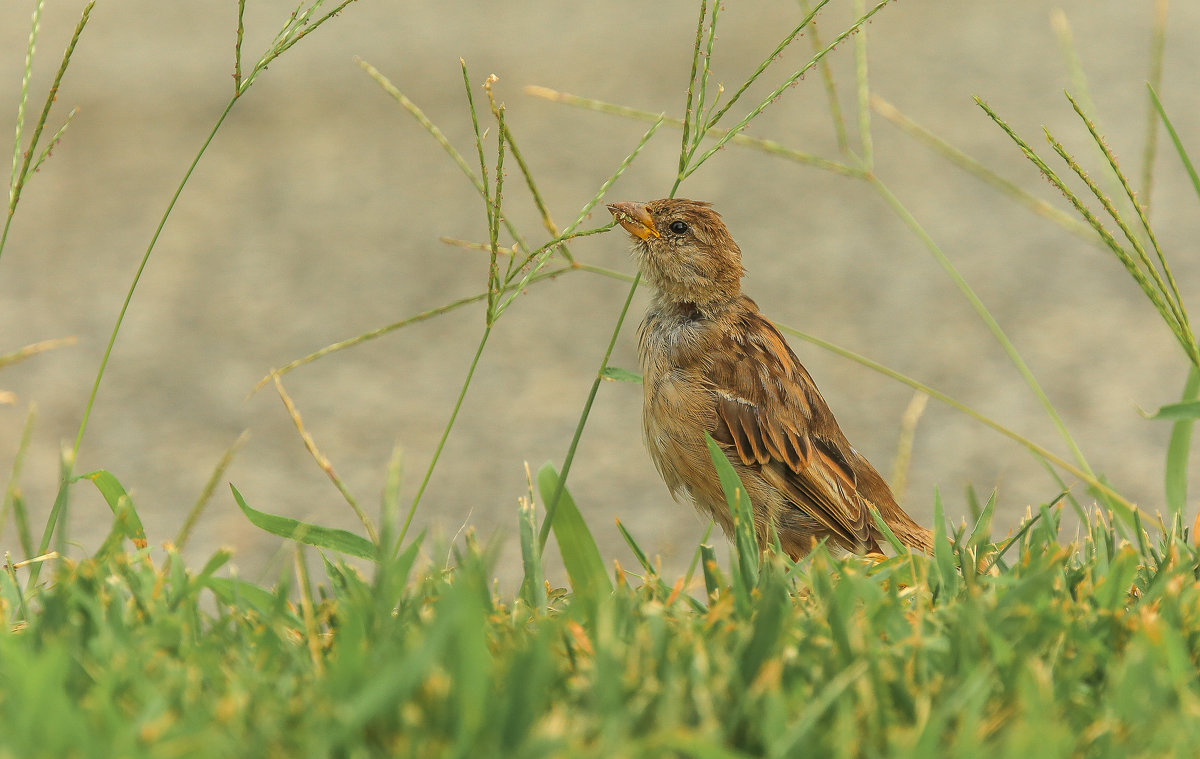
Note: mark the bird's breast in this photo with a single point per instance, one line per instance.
(678, 401)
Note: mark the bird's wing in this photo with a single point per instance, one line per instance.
(769, 410)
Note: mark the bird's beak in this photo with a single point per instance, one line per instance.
(635, 218)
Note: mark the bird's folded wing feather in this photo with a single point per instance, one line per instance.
(770, 412)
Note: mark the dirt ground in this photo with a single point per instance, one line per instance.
(316, 213)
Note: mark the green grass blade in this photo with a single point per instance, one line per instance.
(402, 565)
(943, 551)
(389, 507)
(12, 491)
(25, 172)
(1185, 409)
(983, 525)
(1001, 549)
(616, 374)
(689, 112)
(584, 212)
(886, 530)
(1158, 40)
(238, 593)
(588, 576)
(773, 56)
(424, 121)
(1172, 297)
(333, 539)
(35, 26)
(437, 452)
(1112, 591)
(166, 214)
(1079, 81)
(437, 135)
(54, 140)
(114, 493)
(985, 315)
(552, 503)
(533, 585)
(1178, 449)
(700, 114)
(981, 172)
(831, 96)
(745, 532)
(698, 554)
(1153, 290)
(864, 92)
(125, 524)
(767, 146)
(638, 553)
(791, 743)
(713, 581)
(66, 462)
(21, 520)
(762, 106)
(1122, 505)
(1183, 155)
(483, 172)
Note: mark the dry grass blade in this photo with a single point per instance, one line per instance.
(17, 356)
(185, 532)
(904, 447)
(322, 461)
(311, 631)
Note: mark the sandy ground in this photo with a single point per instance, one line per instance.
(316, 214)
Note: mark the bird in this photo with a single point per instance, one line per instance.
(712, 363)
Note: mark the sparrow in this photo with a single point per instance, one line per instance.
(711, 362)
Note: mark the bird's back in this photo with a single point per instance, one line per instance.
(730, 373)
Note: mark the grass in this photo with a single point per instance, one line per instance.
(1055, 652)
(1038, 643)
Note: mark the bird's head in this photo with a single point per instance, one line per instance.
(683, 248)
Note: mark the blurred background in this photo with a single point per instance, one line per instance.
(316, 213)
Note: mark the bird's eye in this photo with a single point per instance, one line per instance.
(679, 227)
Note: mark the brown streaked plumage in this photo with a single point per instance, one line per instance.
(712, 363)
